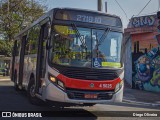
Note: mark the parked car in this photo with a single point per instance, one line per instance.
(3, 71)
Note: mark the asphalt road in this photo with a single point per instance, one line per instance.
(11, 100)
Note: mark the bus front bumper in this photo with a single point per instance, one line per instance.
(53, 93)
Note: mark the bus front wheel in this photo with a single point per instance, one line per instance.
(31, 94)
(89, 104)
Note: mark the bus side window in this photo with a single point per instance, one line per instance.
(26, 47)
(29, 42)
(16, 48)
(33, 40)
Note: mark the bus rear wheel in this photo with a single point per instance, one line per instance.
(31, 94)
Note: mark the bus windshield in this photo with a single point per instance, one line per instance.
(85, 47)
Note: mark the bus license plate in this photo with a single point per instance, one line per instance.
(90, 96)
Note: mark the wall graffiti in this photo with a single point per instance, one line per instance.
(146, 72)
(145, 55)
(143, 21)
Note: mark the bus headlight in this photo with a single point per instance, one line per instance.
(56, 82)
(118, 86)
(53, 79)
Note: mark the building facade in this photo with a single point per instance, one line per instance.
(142, 54)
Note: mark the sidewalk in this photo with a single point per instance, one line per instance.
(4, 78)
(140, 96)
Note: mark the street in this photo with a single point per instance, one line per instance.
(89, 54)
(11, 100)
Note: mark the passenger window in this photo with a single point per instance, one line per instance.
(33, 40)
(17, 47)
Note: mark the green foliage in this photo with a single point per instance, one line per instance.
(15, 15)
(6, 48)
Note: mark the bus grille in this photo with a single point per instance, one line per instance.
(91, 75)
(79, 95)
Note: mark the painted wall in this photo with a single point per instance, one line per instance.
(144, 21)
(128, 61)
(145, 53)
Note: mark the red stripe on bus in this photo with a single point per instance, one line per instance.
(86, 84)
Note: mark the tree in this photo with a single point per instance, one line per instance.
(5, 48)
(15, 15)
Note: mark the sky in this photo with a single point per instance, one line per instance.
(131, 7)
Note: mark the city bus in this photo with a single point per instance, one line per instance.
(70, 56)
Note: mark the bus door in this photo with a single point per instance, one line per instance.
(21, 61)
(41, 58)
(13, 60)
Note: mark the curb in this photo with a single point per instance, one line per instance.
(2, 80)
(142, 103)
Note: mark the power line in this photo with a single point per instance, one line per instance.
(144, 7)
(145, 14)
(121, 9)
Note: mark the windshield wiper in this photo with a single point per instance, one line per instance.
(100, 41)
(79, 35)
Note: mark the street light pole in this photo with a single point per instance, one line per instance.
(99, 5)
(106, 7)
(158, 4)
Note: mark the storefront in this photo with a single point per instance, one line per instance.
(142, 55)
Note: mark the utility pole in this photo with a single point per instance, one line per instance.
(99, 5)
(158, 4)
(106, 7)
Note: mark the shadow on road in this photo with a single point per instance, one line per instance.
(12, 100)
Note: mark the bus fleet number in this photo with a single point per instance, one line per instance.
(105, 85)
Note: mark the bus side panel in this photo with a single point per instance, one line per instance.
(12, 66)
(21, 60)
(25, 69)
(15, 60)
(29, 68)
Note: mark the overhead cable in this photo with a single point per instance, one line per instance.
(144, 7)
(122, 9)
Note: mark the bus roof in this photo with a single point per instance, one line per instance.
(54, 9)
(87, 10)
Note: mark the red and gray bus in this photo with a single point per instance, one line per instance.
(70, 56)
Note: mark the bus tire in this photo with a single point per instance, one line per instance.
(89, 104)
(15, 82)
(31, 94)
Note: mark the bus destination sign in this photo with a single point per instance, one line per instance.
(91, 19)
(88, 17)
